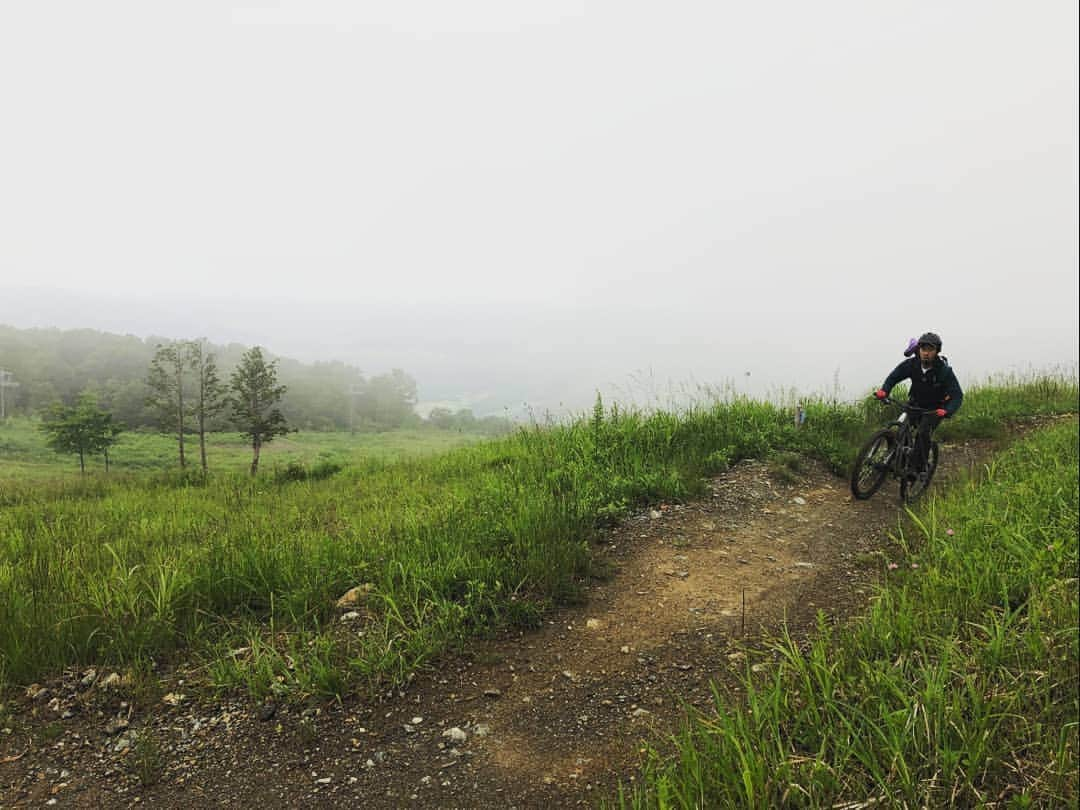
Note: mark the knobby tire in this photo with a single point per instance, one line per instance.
(871, 464)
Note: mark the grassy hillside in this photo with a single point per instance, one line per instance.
(126, 569)
(958, 689)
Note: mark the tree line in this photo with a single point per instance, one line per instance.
(52, 365)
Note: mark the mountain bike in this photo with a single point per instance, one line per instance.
(892, 451)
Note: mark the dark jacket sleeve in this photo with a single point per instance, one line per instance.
(901, 372)
(954, 395)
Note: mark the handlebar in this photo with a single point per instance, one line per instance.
(904, 406)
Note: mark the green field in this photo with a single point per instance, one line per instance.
(24, 454)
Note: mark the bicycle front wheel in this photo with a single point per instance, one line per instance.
(872, 464)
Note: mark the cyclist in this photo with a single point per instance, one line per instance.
(933, 385)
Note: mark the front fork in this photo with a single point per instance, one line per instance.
(905, 444)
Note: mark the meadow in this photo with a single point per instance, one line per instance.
(24, 454)
(240, 575)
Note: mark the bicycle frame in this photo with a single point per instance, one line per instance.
(900, 462)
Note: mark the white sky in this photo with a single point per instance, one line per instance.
(545, 198)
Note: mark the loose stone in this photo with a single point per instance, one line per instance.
(455, 734)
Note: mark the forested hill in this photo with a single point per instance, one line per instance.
(51, 365)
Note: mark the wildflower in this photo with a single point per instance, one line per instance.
(893, 566)
(914, 565)
(949, 532)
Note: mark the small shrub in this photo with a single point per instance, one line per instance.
(611, 512)
(786, 467)
(324, 469)
(717, 462)
(298, 471)
(293, 471)
(146, 762)
(142, 684)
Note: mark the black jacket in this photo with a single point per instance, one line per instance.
(938, 388)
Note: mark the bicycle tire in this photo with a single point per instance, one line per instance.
(871, 464)
(911, 491)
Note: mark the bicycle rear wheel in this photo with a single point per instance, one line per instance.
(872, 464)
(911, 490)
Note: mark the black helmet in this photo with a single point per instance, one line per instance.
(931, 339)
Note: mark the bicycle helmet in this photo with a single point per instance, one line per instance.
(930, 339)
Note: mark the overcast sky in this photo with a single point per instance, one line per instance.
(532, 201)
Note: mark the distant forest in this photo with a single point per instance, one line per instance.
(53, 365)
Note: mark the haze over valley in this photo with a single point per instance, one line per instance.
(717, 196)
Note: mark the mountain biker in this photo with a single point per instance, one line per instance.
(933, 385)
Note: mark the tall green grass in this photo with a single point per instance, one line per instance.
(959, 688)
(121, 569)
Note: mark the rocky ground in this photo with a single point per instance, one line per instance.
(559, 716)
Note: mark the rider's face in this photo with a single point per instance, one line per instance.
(927, 354)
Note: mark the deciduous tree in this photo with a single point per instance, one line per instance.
(83, 429)
(255, 395)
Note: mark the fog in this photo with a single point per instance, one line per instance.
(521, 205)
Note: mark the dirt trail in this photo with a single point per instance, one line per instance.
(555, 716)
(692, 583)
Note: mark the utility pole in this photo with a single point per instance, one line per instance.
(6, 381)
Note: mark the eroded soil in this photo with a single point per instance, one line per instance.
(559, 716)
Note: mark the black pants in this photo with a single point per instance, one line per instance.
(925, 423)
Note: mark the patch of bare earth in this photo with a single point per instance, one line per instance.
(554, 717)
